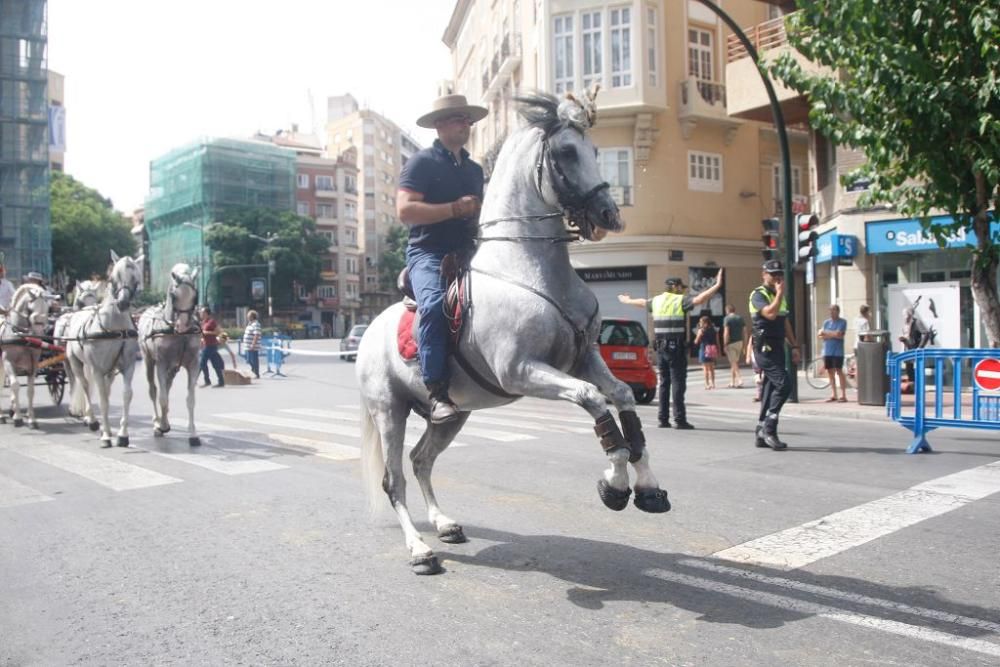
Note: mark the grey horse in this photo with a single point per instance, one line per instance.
(105, 345)
(86, 293)
(529, 332)
(26, 319)
(169, 335)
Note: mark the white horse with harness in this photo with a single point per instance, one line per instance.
(86, 293)
(529, 330)
(21, 333)
(170, 337)
(106, 344)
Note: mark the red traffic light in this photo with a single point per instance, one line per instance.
(771, 233)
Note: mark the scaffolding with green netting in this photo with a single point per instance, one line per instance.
(191, 186)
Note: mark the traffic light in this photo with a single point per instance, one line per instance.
(770, 237)
(807, 223)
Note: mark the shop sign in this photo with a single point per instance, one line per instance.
(909, 236)
(832, 245)
(612, 274)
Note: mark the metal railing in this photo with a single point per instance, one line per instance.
(763, 36)
(709, 91)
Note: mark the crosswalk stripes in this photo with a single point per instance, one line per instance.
(13, 493)
(108, 472)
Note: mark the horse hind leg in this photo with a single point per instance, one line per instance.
(151, 381)
(435, 440)
(32, 422)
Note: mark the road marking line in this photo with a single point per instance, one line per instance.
(825, 611)
(476, 418)
(219, 463)
(323, 449)
(854, 598)
(415, 422)
(13, 493)
(799, 546)
(107, 472)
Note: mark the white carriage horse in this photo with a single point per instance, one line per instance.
(26, 320)
(529, 331)
(169, 335)
(86, 293)
(105, 344)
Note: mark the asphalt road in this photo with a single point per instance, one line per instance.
(257, 550)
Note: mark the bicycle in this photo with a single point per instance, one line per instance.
(818, 379)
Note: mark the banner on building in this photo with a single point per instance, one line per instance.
(925, 315)
(57, 129)
(700, 278)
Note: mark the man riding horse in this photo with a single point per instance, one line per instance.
(440, 192)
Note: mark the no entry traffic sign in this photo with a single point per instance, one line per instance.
(987, 374)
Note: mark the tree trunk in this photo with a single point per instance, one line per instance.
(984, 277)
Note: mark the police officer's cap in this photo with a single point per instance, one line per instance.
(674, 282)
(773, 266)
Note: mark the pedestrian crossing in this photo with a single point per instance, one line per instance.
(252, 443)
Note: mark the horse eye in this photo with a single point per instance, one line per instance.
(568, 152)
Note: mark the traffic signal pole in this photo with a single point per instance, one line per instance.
(791, 233)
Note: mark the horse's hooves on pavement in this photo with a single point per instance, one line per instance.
(157, 433)
(33, 425)
(93, 426)
(18, 423)
(122, 441)
(105, 444)
(613, 498)
(194, 442)
(653, 501)
(453, 535)
(426, 565)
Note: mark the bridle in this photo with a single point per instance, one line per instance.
(171, 312)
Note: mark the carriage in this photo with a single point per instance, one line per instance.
(51, 371)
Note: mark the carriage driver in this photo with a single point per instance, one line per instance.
(440, 192)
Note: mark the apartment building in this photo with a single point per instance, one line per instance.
(382, 148)
(692, 181)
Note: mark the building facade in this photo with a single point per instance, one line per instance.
(25, 234)
(382, 148)
(692, 182)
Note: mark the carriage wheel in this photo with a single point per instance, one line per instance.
(57, 386)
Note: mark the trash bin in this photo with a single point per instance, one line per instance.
(873, 381)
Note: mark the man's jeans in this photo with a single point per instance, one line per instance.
(253, 358)
(673, 364)
(210, 353)
(433, 333)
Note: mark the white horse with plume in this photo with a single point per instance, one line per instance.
(170, 337)
(21, 330)
(106, 344)
(529, 332)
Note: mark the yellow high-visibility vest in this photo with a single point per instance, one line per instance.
(668, 316)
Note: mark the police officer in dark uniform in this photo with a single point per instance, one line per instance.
(670, 310)
(771, 329)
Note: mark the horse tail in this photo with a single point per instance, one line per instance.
(372, 459)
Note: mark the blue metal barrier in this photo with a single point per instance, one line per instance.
(985, 404)
(276, 348)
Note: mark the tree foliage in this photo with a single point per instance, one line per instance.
(394, 257)
(85, 228)
(918, 91)
(258, 235)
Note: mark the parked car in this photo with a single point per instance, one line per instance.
(625, 349)
(349, 343)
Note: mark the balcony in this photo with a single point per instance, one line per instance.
(326, 193)
(503, 64)
(747, 96)
(705, 102)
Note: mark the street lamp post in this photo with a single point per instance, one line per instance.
(270, 271)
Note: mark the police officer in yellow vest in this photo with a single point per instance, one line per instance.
(771, 328)
(670, 311)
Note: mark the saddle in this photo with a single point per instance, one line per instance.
(455, 271)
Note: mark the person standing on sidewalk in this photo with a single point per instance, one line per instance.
(732, 341)
(862, 325)
(670, 311)
(210, 348)
(771, 329)
(832, 334)
(251, 342)
(707, 340)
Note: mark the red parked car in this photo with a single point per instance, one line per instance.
(625, 349)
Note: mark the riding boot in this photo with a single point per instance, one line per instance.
(443, 409)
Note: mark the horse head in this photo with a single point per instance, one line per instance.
(125, 278)
(567, 173)
(29, 310)
(87, 293)
(182, 298)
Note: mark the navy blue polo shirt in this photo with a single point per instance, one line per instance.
(434, 173)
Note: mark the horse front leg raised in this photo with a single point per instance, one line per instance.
(649, 497)
(435, 440)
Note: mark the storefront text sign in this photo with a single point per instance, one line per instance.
(612, 274)
(909, 236)
(833, 245)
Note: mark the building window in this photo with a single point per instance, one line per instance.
(590, 24)
(351, 236)
(351, 211)
(302, 208)
(326, 291)
(704, 171)
(621, 47)
(324, 182)
(616, 169)
(329, 264)
(303, 181)
(700, 54)
(330, 235)
(562, 33)
(325, 211)
(776, 181)
(352, 265)
(651, 40)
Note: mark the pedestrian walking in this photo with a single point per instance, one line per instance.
(440, 192)
(210, 348)
(251, 342)
(669, 311)
(771, 329)
(707, 340)
(832, 334)
(732, 340)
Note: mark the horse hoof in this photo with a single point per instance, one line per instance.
(653, 501)
(33, 424)
(18, 423)
(426, 565)
(613, 498)
(122, 441)
(93, 426)
(194, 442)
(105, 444)
(453, 535)
(158, 433)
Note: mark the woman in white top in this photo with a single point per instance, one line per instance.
(862, 323)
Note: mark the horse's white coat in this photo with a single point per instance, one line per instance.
(28, 315)
(86, 293)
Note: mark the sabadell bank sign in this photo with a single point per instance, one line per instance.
(887, 236)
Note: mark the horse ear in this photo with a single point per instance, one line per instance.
(114, 255)
(176, 278)
(140, 258)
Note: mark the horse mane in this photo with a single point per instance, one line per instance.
(541, 110)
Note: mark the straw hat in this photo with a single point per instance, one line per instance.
(449, 105)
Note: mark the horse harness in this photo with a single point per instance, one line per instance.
(169, 329)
